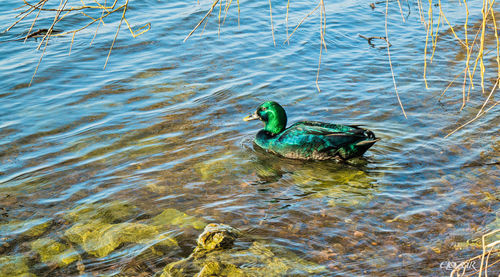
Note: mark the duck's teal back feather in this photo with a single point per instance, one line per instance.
(318, 141)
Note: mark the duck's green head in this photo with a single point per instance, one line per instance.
(272, 114)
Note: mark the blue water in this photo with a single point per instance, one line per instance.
(161, 128)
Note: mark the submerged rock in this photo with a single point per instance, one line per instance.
(14, 266)
(28, 228)
(53, 252)
(104, 212)
(97, 233)
(217, 236)
(216, 256)
(219, 269)
(175, 217)
(100, 239)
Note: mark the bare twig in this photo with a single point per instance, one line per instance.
(271, 17)
(480, 113)
(62, 12)
(300, 23)
(117, 31)
(488, 249)
(46, 38)
(203, 19)
(390, 62)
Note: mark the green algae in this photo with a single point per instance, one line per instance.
(214, 256)
(217, 236)
(220, 269)
(97, 232)
(260, 259)
(104, 212)
(28, 228)
(221, 166)
(343, 187)
(14, 266)
(99, 238)
(53, 252)
(494, 225)
(175, 217)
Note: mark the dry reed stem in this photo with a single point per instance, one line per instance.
(238, 3)
(497, 42)
(204, 26)
(475, 51)
(401, 11)
(389, 57)
(488, 249)
(425, 49)
(323, 31)
(451, 83)
(220, 11)
(322, 43)
(62, 12)
(116, 34)
(71, 45)
(203, 19)
(286, 18)
(301, 21)
(46, 38)
(435, 37)
(421, 12)
(99, 23)
(481, 112)
(25, 14)
(271, 17)
(320, 5)
(226, 9)
(34, 20)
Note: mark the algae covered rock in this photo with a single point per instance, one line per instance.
(226, 164)
(264, 259)
(104, 212)
(100, 239)
(28, 228)
(217, 236)
(175, 217)
(343, 187)
(53, 252)
(14, 266)
(495, 225)
(219, 269)
(97, 233)
(219, 257)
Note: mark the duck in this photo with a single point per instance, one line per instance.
(308, 140)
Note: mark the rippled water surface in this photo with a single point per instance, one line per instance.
(159, 133)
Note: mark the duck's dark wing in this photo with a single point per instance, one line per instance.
(314, 138)
(327, 129)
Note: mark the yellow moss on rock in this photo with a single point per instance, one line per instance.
(100, 239)
(104, 212)
(29, 228)
(51, 251)
(175, 217)
(220, 269)
(14, 266)
(258, 260)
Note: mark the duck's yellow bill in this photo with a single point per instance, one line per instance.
(253, 116)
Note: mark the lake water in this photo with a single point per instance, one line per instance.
(160, 129)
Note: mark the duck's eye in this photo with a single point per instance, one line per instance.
(264, 108)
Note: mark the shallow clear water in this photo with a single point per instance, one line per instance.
(161, 128)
